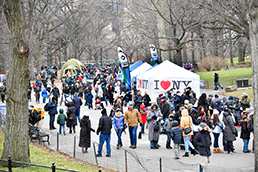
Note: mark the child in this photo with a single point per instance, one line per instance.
(176, 135)
(97, 104)
(203, 142)
(245, 133)
(89, 99)
(44, 95)
(168, 126)
(143, 113)
(61, 120)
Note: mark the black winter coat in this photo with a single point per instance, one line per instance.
(165, 109)
(203, 102)
(176, 135)
(203, 142)
(105, 125)
(85, 136)
(71, 116)
(245, 134)
(138, 100)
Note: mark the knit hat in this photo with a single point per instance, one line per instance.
(202, 125)
(174, 124)
(118, 109)
(230, 98)
(186, 101)
(160, 95)
(61, 110)
(104, 111)
(190, 106)
(130, 103)
(142, 106)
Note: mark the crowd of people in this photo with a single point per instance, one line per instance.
(187, 120)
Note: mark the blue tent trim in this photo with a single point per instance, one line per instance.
(135, 65)
(135, 77)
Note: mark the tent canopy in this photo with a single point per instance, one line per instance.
(166, 76)
(135, 65)
(73, 64)
(141, 69)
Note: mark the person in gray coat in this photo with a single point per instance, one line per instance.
(230, 131)
(154, 117)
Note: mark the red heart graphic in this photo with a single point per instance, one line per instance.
(165, 84)
(140, 83)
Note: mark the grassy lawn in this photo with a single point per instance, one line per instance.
(239, 93)
(227, 77)
(43, 156)
(235, 60)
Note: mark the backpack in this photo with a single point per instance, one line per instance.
(46, 107)
(250, 124)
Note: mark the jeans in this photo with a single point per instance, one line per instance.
(176, 150)
(142, 128)
(133, 135)
(164, 119)
(224, 142)
(105, 98)
(78, 114)
(245, 148)
(102, 139)
(217, 84)
(119, 134)
(60, 129)
(44, 99)
(51, 121)
(154, 144)
(216, 140)
(168, 139)
(187, 143)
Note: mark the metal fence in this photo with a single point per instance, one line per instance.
(10, 163)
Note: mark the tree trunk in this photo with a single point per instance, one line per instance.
(230, 47)
(253, 25)
(16, 142)
(240, 52)
(185, 54)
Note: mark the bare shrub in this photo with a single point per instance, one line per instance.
(212, 63)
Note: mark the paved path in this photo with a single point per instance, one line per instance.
(143, 158)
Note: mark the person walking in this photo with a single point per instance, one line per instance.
(168, 127)
(176, 136)
(52, 106)
(77, 103)
(44, 95)
(185, 122)
(85, 133)
(132, 117)
(118, 123)
(143, 113)
(154, 117)
(203, 141)
(61, 121)
(216, 81)
(56, 93)
(105, 125)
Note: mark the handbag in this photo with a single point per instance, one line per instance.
(188, 129)
(156, 127)
(140, 135)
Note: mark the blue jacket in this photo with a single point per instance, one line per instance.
(176, 135)
(118, 122)
(77, 102)
(89, 97)
(44, 93)
(52, 108)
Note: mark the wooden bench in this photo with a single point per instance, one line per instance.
(36, 134)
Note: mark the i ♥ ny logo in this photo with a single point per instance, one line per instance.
(165, 84)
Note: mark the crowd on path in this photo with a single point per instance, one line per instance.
(187, 120)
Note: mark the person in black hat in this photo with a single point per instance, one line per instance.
(52, 112)
(105, 125)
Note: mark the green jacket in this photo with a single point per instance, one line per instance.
(245, 103)
(61, 119)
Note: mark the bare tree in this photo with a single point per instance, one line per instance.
(16, 142)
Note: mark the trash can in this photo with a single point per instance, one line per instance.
(245, 82)
(239, 82)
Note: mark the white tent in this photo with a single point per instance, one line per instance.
(165, 76)
(141, 69)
